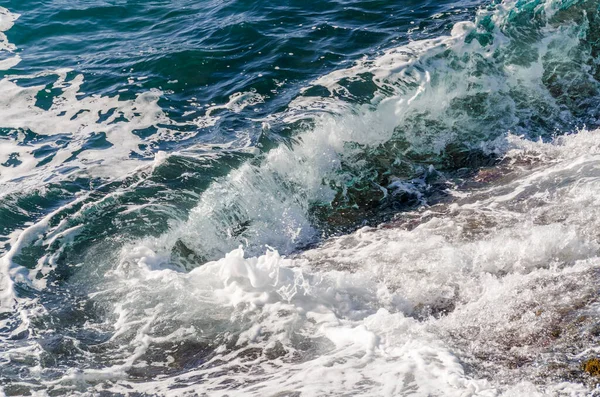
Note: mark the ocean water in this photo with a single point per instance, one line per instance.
(299, 198)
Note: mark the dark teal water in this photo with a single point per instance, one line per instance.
(198, 54)
(193, 127)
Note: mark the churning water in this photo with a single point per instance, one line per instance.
(299, 198)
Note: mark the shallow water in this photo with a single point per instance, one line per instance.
(358, 198)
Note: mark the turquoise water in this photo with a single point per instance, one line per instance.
(143, 142)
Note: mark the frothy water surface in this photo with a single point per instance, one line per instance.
(299, 199)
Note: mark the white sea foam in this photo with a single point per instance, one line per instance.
(9, 59)
(463, 300)
(444, 308)
(78, 118)
(237, 102)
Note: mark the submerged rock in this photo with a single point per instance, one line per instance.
(592, 366)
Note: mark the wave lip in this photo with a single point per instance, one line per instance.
(419, 112)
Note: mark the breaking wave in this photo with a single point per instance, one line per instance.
(421, 223)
